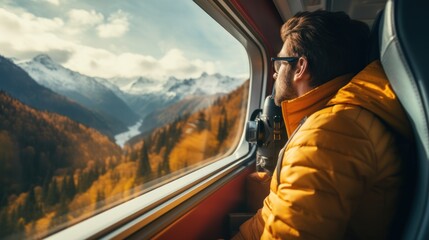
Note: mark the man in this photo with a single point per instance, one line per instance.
(339, 176)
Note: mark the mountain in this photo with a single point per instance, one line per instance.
(184, 107)
(85, 90)
(206, 84)
(17, 83)
(145, 95)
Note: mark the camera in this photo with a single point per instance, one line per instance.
(266, 129)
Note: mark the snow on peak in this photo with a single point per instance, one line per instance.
(46, 61)
(139, 85)
(58, 78)
(42, 58)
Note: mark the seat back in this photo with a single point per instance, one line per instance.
(403, 54)
(373, 52)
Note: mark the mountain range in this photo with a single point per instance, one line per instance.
(120, 102)
(147, 96)
(160, 102)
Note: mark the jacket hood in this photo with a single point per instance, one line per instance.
(371, 90)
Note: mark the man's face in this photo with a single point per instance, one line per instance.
(284, 84)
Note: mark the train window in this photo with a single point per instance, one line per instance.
(101, 103)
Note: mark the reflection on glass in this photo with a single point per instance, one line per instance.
(100, 103)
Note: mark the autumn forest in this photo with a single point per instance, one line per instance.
(55, 171)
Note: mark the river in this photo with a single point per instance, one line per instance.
(123, 137)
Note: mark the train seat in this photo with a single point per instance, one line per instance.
(403, 54)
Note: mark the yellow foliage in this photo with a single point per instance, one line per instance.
(192, 149)
(40, 227)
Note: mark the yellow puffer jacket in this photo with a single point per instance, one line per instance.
(340, 172)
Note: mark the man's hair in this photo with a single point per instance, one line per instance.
(332, 43)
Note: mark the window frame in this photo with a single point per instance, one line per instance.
(148, 211)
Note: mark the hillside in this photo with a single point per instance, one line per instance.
(17, 83)
(34, 145)
(37, 150)
(186, 106)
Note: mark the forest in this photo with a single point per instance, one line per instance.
(55, 172)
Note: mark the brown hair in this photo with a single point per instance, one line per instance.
(332, 43)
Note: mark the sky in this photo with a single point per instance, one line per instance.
(121, 38)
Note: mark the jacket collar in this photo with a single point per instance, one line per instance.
(296, 109)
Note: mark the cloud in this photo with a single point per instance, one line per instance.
(80, 17)
(116, 26)
(26, 32)
(53, 2)
(25, 35)
(175, 61)
(79, 20)
(102, 63)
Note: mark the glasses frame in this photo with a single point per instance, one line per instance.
(277, 61)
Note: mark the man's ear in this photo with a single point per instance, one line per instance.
(301, 69)
(302, 76)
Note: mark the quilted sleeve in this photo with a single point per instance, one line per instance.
(325, 170)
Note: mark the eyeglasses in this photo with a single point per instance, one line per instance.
(277, 61)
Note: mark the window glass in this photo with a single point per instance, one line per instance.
(100, 102)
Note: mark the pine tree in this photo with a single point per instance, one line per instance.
(99, 201)
(31, 209)
(164, 166)
(71, 186)
(143, 165)
(53, 193)
(201, 121)
(209, 123)
(225, 121)
(61, 212)
(160, 140)
(222, 126)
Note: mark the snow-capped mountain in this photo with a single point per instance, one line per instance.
(18, 84)
(204, 85)
(85, 90)
(146, 95)
(138, 85)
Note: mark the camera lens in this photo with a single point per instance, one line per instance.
(255, 132)
(252, 131)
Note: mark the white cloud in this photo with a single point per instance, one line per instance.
(25, 35)
(80, 20)
(102, 63)
(175, 61)
(26, 32)
(53, 2)
(80, 17)
(116, 26)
